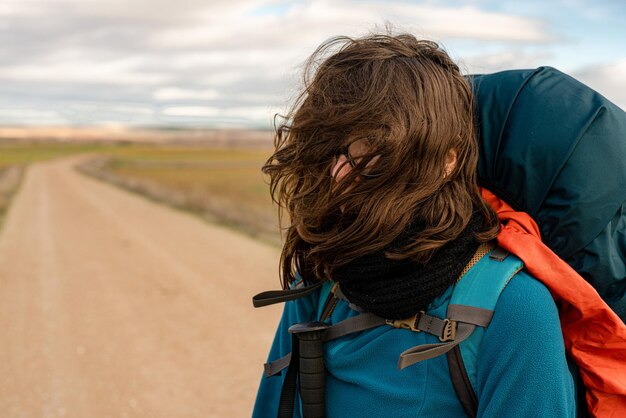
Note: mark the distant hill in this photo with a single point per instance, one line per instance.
(215, 137)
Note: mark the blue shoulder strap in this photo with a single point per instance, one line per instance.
(480, 288)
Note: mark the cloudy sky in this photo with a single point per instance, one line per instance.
(235, 63)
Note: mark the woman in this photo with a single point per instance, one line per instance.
(376, 172)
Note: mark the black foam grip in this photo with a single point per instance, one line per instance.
(312, 374)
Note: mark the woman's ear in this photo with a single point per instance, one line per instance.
(450, 162)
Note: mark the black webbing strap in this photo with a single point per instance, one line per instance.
(276, 296)
(329, 306)
(499, 254)
(468, 315)
(274, 367)
(458, 372)
(288, 392)
(354, 324)
(422, 322)
(461, 382)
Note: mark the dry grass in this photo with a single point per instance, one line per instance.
(225, 186)
(10, 180)
(22, 152)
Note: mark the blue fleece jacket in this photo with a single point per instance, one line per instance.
(521, 366)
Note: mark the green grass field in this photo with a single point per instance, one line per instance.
(19, 153)
(223, 185)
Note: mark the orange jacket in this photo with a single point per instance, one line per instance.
(594, 335)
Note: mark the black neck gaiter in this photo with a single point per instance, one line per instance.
(399, 289)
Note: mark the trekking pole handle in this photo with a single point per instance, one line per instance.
(312, 369)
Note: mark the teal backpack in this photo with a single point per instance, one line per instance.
(554, 148)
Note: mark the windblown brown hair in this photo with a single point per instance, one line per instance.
(409, 99)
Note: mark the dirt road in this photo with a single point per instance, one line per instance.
(112, 306)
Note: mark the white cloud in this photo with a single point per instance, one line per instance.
(306, 23)
(12, 116)
(471, 22)
(608, 80)
(137, 110)
(261, 114)
(175, 93)
(10, 8)
(84, 71)
(191, 111)
(257, 113)
(138, 10)
(130, 57)
(502, 60)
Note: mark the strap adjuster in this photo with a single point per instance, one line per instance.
(444, 329)
(449, 331)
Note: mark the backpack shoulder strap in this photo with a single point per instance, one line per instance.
(271, 297)
(480, 287)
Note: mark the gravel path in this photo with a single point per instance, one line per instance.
(112, 306)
